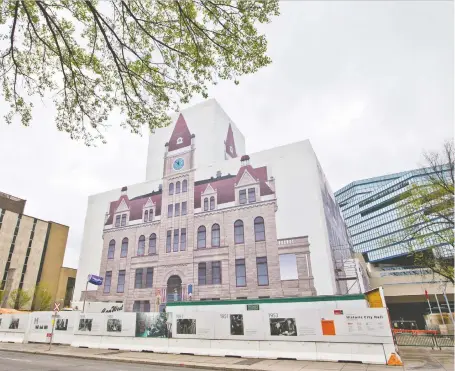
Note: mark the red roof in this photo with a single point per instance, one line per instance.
(229, 142)
(180, 131)
(225, 186)
(135, 205)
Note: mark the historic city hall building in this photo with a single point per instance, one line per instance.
(199, 239)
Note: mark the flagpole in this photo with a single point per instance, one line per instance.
(428, 301)
(440, 312)
(448, 305)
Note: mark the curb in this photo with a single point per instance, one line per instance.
(139, 361)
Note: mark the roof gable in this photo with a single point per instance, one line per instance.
(181, 136)
(149, 203)
(209, 190)
(123, 206)
(246, 179)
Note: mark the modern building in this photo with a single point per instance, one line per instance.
(31, 254)
(370, 211)
(214, 222)
(376, 230)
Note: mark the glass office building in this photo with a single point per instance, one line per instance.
(369, 208)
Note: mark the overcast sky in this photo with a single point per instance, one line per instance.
(369, 83)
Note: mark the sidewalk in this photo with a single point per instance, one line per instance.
(418, 359)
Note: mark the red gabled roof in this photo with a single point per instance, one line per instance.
(180, 131)
(225, 186)
(229, 142)
(135, 205)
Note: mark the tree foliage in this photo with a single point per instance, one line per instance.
(427, 212)
(19, 299)
(144, 56)
(43, 298)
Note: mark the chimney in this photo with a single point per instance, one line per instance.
(218, 174)
(124, 190)
(245, 160)
(160, 187)
(106, 216)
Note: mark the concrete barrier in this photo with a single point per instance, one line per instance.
(356, 335)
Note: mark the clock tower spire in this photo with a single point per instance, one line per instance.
(179, 150)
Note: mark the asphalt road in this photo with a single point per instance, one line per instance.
(13, 361)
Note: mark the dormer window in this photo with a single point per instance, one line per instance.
(251, 195)
(212, 203)
(231, 149)
(242, 196)
(179, 140)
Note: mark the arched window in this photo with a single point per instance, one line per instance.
(177, 187)
(184, 185)
(150, 215)
(171, 188)
(259, 229)
(212, 203)
(206, 204)
(146, 216)
(141, 246)
(152, 244)
(238, 232)
(215, 235)
(124, 249)
(111, 250)
(201, 237)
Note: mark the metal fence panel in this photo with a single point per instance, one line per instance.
(424, 340)
(415, 340)
(444, 340)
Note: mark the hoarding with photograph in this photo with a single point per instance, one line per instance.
(91, 324)
(14, 322)
(198, 325)
(153, 325)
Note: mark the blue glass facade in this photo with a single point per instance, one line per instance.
(369, 209)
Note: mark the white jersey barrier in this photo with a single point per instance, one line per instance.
(352, 334)
(41, 324)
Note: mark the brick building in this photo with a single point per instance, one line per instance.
(215, 238)
(31, 256)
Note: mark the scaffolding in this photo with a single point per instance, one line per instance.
(346, 270)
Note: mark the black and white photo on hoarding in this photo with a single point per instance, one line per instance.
(85, 324)
(237, 324)
(283, 327)
(114, 325)
(61, 324)
(14, 324)
(186, 326)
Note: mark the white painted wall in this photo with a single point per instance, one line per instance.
(300, 209)
(209, 123)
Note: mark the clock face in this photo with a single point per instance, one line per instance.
(178, 164)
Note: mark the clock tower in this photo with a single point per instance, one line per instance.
(178, 158)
